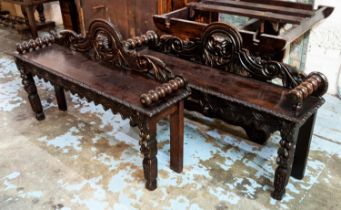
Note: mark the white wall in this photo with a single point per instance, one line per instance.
(324, 52)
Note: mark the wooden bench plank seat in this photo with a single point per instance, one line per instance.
(115, 83)
(97, 67)
(249, 92)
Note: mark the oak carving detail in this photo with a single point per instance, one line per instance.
(103, 43)
(221, 46)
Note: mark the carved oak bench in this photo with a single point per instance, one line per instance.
(260, 96)
(121, 84)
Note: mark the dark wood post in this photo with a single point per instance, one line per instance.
(177, 138)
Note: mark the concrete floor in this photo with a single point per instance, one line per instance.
(89, 158)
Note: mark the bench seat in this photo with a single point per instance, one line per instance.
(268, 98)
(115, 83)
(254, 105)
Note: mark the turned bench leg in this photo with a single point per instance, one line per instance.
(285, 158)
(40, 10)
(149, 150)
(60, 96)
(302, 148)
(33, 97)
(177, 138)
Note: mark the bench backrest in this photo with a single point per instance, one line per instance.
(220, 46)
(103, 43)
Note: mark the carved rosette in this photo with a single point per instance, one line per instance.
(106, 41)
(221, 44)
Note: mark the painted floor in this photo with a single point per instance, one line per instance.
(88, 158)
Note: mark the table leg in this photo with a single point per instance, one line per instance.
(40, 9)
(60, 96)
(29, 10)
(285, 158)
(177, 138)
(149, 150)
(302, 148)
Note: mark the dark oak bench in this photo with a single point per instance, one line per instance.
(106, 73)
(260, 96)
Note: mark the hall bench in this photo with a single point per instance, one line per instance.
(98, 68)
(261, 96)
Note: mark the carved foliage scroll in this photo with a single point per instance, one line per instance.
(220, 46)
(104, 43)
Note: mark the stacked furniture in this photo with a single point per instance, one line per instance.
(271, 28)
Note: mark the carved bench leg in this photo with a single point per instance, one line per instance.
(149, 150)
(31, 89)
(60, 96)
(33, 97)
(177, 138)
(285, 159)
(302, 148)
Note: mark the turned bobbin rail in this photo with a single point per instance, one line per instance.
(314, 84)
(157, 94)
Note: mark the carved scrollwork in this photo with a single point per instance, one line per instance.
(258, 125)
(74, 41)
(104, 44)
(265, 70)
(175, 45)
(220, 46)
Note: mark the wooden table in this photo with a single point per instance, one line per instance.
(28, 8)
